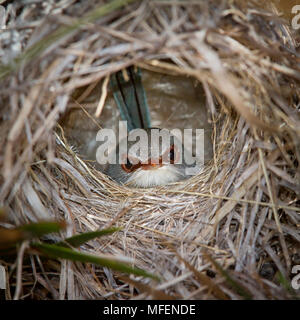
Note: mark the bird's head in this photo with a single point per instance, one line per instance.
(149, 161)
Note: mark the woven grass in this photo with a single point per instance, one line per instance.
(231, 232)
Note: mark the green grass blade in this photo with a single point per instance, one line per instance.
(55, 251)
(36, 230)
(10, 237)
(79, 239)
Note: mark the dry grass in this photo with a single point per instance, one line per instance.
(241, 213)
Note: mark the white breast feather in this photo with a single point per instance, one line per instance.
(157, 177)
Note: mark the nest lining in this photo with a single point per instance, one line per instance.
(243, 210)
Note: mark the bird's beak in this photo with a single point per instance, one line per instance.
(151, 165)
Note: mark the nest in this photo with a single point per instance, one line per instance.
(240, 215)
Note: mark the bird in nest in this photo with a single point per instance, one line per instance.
(158, 162)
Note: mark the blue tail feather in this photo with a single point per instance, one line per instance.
(131, 98)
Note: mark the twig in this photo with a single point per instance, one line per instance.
(20, 256)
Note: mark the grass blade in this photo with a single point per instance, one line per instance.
(286, 284)
(39, 47)
(10, 237)
(142, 287)
(36, 230)
(203, 279)
(55, 251)
(79, 239)
(236, 286)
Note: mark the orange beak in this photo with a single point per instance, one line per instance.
(151, 165)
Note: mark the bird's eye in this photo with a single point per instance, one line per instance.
(128, 166)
